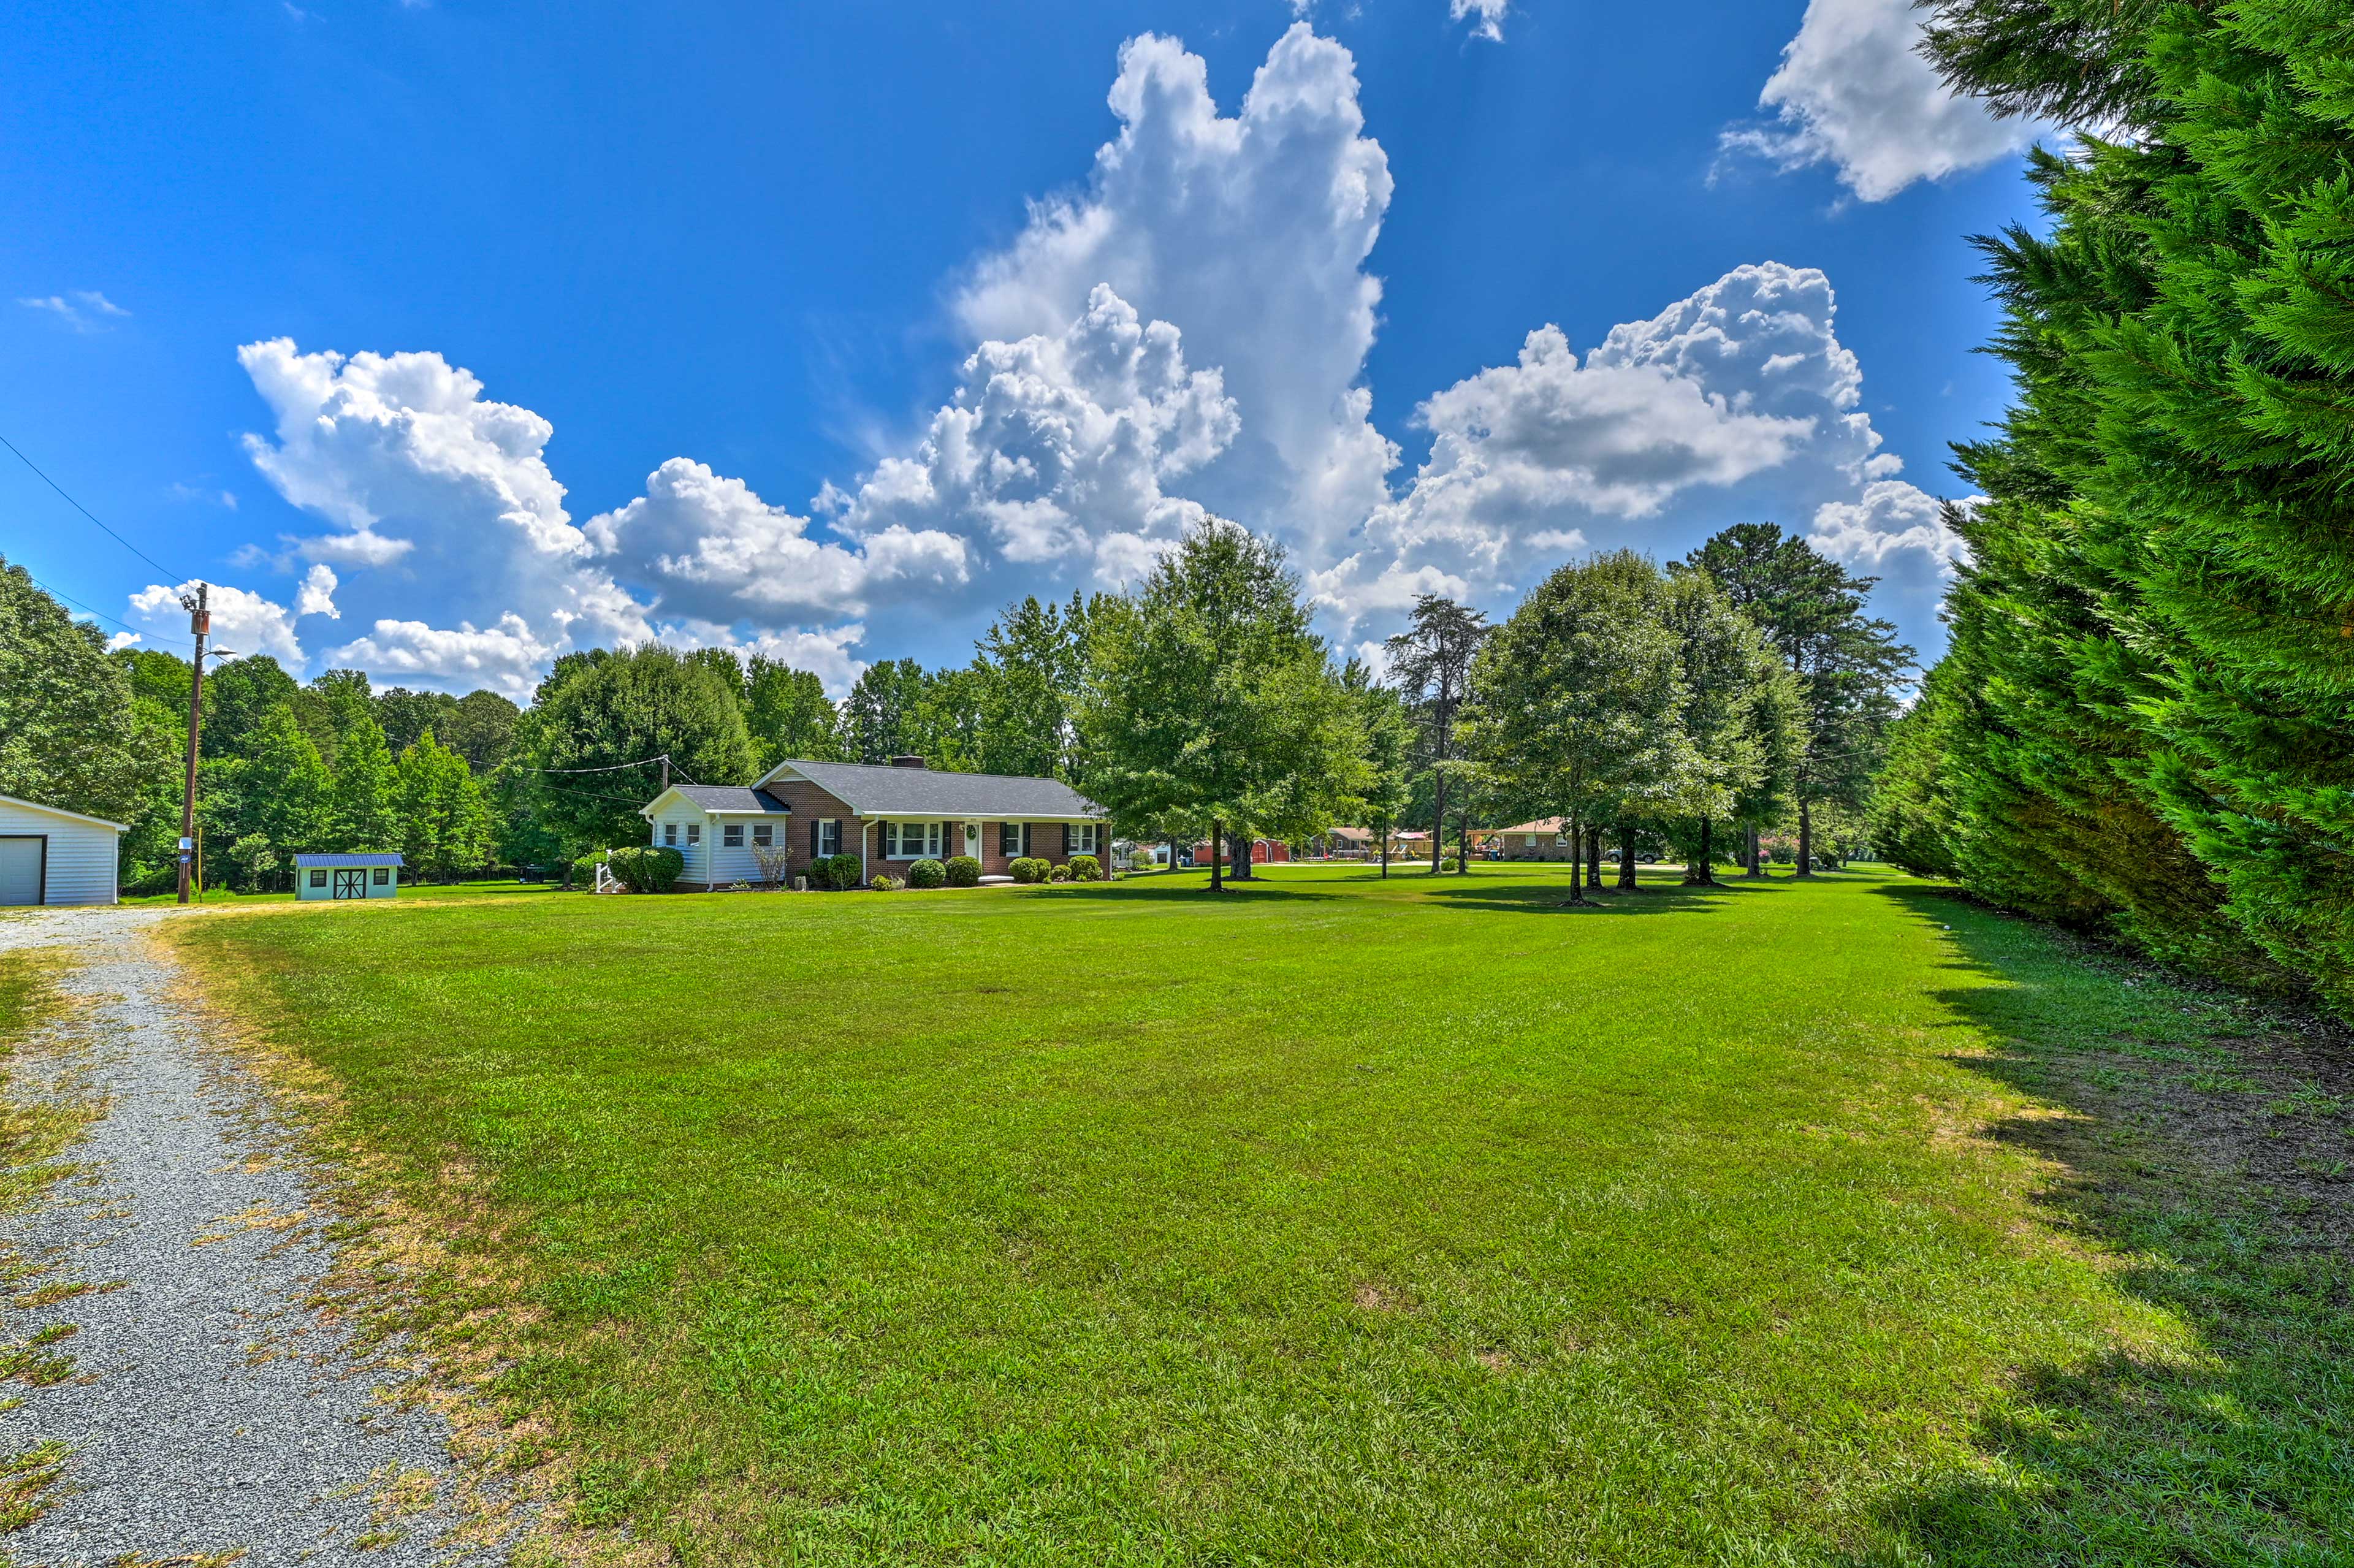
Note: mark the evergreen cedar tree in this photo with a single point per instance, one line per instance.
(1431, 662)
(1210, 700)
(2146, 722)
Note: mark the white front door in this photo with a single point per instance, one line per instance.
(972, 839)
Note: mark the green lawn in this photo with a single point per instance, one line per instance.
(1337, 1221)
(230, 898)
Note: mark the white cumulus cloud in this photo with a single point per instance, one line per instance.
(1734, 402)
(316, 596)
(1249, 233)
(1055, 448)
(1854, 92)
(716, 552)
(242, 621)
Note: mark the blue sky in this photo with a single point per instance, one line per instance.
(445, 337)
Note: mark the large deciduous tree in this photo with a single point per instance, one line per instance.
(69, 734)
(1580, 700)
(599, 721)
(789, 714)
(1212, 701)
(1738, 699)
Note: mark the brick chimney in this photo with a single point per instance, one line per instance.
(906, 762)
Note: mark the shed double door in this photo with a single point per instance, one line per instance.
(351, 884)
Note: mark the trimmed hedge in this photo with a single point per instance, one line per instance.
(1061, 874)
(584, 870)
(1085, 868)
(1028, 869)
(963, 870)
(886, 883)
(927, 874)
(648, 868)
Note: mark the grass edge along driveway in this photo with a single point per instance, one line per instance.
(1340, 1221)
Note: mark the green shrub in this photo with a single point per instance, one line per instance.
(886, 883)
(1060, 873)
(963, 870)
(927, 874)
(584, 870)
(1028, 869)
(1452, 862)
(1085, 868)
(836, 873)
(648, 868)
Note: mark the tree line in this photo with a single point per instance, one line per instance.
(2145, 725)
(1682, 710)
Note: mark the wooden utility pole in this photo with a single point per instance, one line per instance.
(200, 621)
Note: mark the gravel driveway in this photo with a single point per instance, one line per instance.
(212, 1410)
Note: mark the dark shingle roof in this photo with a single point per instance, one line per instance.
(881, 792)
(731, 797)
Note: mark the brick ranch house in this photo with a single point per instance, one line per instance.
(1547, 838)
(890, 817)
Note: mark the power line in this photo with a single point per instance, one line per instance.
(86, 610)
(616, 768)
(53, 485)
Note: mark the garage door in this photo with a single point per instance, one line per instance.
(20, 869)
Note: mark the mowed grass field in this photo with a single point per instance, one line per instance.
(1341, 1221)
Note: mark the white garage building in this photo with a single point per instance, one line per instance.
(51, 857)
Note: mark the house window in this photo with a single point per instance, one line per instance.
(1079, 838)
(732, 836)
(693, 834)
(1012, 840)
(670, 832)
(911, 841)
(825, 836)
(383, 876)
(763, 835)
(318, 879)
(1532, 839)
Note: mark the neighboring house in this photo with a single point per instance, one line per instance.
(346, 876)
(1264, 852)
(889, 816)
(1341, 843)
(1546, 839)
(52, 856)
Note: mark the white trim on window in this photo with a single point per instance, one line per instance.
(764, 835)
(731, 835)
(1081, 838)
(828, 836)
(670, 834)
(913, 841)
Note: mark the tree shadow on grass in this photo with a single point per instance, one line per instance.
(2207, 1142)
(1549, 897)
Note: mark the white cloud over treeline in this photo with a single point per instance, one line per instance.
(1184, 334)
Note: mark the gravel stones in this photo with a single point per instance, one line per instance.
(212, 1408)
